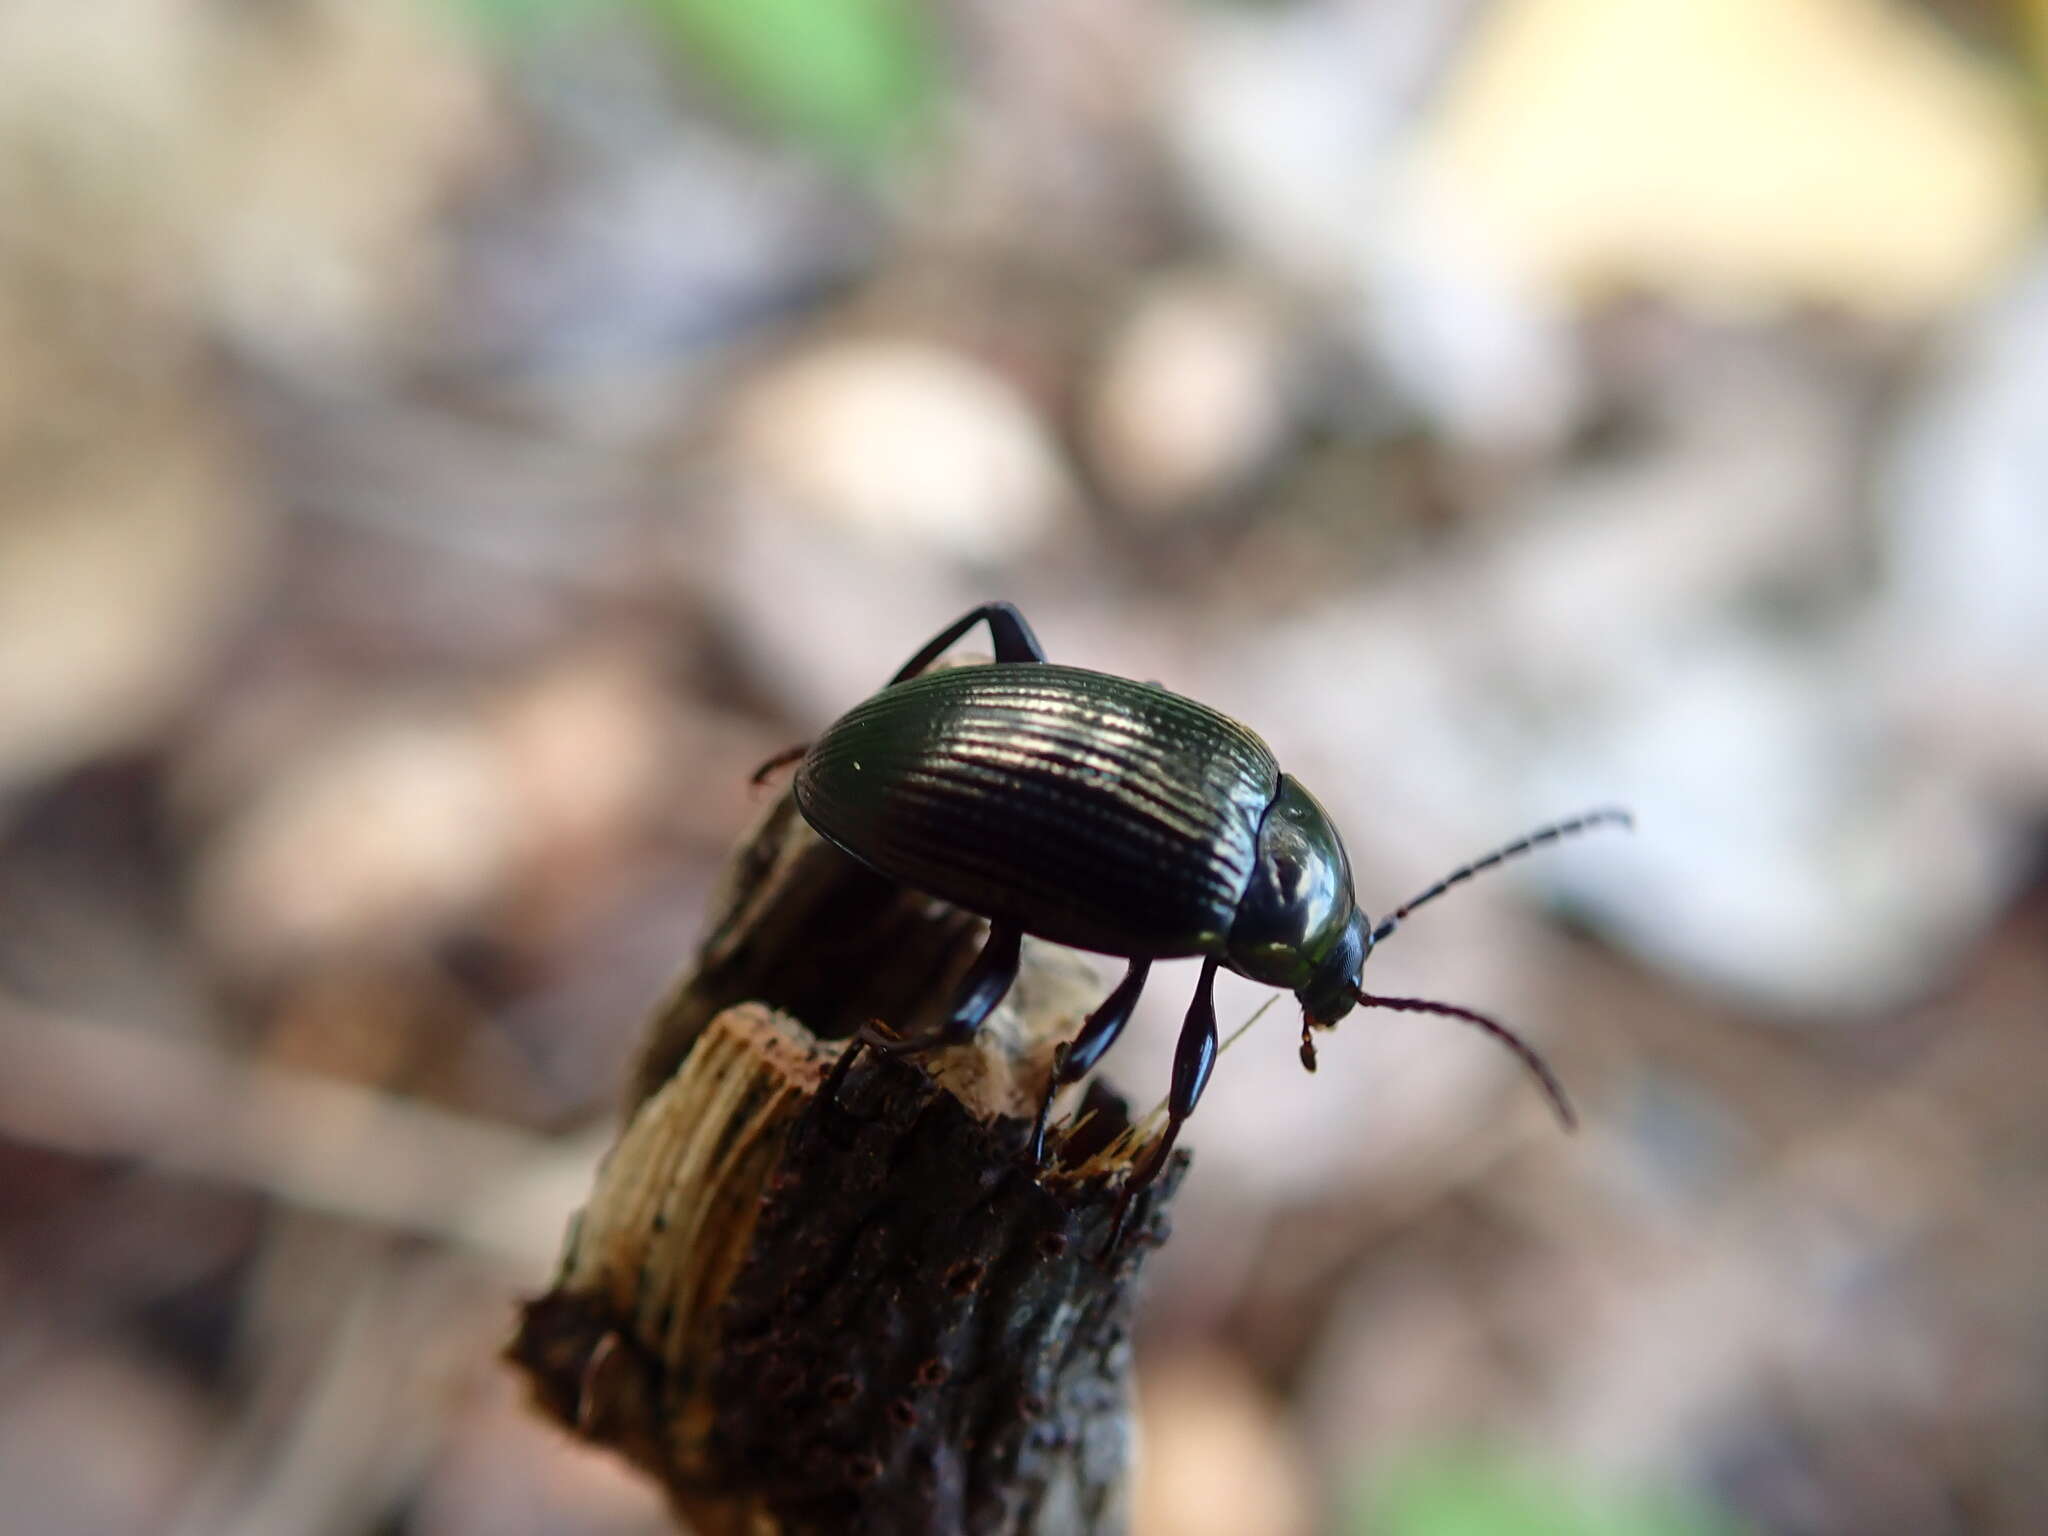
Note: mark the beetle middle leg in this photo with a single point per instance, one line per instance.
(1013, 637)
(1194, 1058)
(986, 983)
(1097, 1035)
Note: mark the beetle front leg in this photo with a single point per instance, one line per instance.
(1013, 638)
(1194, 1058)
(1088, 1047)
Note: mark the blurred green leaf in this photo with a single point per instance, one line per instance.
(518, 19)
(853, 76)
(1479, 1493)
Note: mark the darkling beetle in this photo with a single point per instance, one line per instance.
(1111, 816)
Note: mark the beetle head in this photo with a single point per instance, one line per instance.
(1332, 988)
(1332, 991)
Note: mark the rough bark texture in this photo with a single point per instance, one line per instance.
(861, 1315)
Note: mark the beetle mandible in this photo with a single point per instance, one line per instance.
(1117, 817)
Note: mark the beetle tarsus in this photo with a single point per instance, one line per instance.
(1140, 1179)
(1052, 1088)
(782, 759)
(836, 1078)
(1308, 1046)
(993, 973)
(892, 1044)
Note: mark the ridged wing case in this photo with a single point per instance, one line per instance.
(1088, 809)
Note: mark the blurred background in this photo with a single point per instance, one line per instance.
(445, 444)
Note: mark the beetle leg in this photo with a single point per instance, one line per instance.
(1057, 1081)
(987, 980)
(1097, 1035)
(781, 759)
(1194, 1058)
(848, 1054)
(1013, 638)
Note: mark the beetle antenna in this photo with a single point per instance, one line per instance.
(1531, 1057)
(1557, 829)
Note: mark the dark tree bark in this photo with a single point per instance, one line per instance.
(866, 1315)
